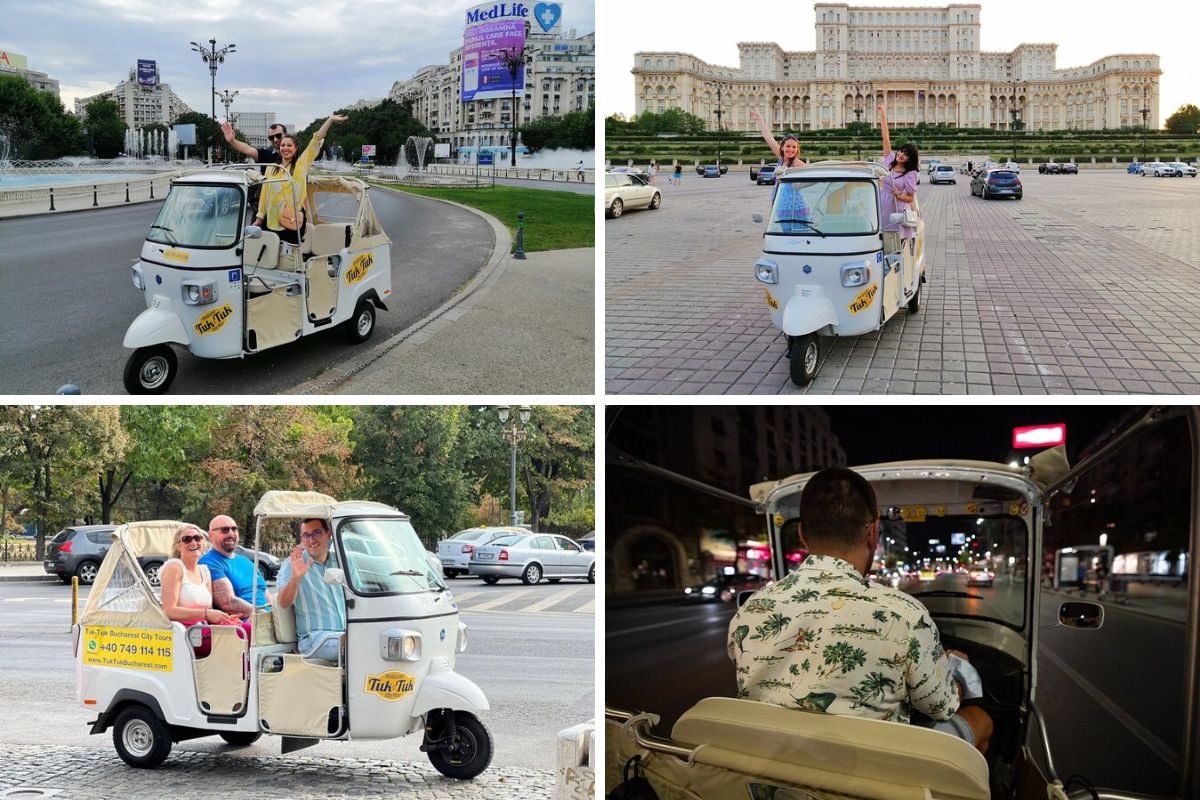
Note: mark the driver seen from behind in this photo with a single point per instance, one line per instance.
(824, 639)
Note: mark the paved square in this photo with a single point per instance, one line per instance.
(1089, 285)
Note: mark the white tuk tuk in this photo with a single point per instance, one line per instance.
(155, 682)
(831, 265)
(223, 290)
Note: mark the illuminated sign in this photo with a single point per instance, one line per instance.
(1040, 435)
(147, 72)
(494, 31)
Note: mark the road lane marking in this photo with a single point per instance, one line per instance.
(1156, 745)
(642, 628)
(499, 599)
(553, 599)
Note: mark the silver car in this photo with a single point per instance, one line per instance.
(531, 557)
(455, 552)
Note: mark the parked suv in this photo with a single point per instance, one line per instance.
(78, 551)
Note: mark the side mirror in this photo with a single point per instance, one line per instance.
(251, 232)
(335, 575)
(1089, 616)
(744, 595)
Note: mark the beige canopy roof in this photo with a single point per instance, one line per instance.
(153, 538)
(295, 504)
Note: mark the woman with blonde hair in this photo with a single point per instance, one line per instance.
(187, 584)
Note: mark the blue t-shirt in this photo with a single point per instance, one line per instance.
(241, 574)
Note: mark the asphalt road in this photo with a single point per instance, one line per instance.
(66, 298)
(1110, 697)
(536, 669)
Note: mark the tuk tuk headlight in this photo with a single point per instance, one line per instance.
(461, 647)
(139, 280)
(199, 293)
(855, 275)
(766, 271)
(401, 645)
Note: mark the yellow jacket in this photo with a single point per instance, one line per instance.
(281, 190)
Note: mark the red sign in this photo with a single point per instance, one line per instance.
(1040, 435)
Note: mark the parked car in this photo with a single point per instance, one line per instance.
(997, 183)
(980, 576)
(77, 552)
(711, 171)
(1158, 169)
(268, 565)
(930, 164)
(724, 588)
(588, 541)
(637, 172)
(1070, 168)
(622, 191)
(454, 553)
(766, 175)
(1049, 168)
(942, 173)
(1014, 166)
(531, 557)
(701, 169)
(1182, 169)
(1134, 168)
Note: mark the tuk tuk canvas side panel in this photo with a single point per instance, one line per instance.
(121, 597)
(296, 700)
(275, 318)
(222, 684)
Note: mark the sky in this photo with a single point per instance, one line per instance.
(300, 60)
(1084, 30)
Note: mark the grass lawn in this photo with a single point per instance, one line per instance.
(553, 220)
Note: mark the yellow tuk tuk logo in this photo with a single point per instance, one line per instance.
(359, 268)
(180, 256)
(864, 299)
(771, 301)
(390, 685)
(212, 320)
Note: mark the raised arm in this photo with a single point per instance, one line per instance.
(237, 144)
(883, 126)
(324, 129)
(765, 130)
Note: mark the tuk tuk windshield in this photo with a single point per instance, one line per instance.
(825, 207)
(384, 556)
(199, 216)
(959, 565)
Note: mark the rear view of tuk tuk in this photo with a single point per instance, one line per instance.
(226, 291)
(831, 266)
(155, 681)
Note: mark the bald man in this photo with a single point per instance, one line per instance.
(236, 585)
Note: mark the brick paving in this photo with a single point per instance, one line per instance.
(1089, 285)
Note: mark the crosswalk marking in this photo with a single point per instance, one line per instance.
(499, 599)
(490, 600)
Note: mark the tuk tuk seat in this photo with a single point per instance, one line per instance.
(263, 252)
(329, 238)
(832, 753)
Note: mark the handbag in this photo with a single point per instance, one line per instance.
(633, 786)
(287, 218)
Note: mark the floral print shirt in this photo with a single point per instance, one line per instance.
(824, 639)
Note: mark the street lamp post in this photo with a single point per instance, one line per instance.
(720, 129)
(213, 58)
(1145, 124)
(227, 100)
(514, 59)
(513, 435)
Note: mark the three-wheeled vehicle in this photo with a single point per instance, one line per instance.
(225, 290)
(831, 265)
(155, 682)
(725, 747)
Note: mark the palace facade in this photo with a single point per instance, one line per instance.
(924, 63)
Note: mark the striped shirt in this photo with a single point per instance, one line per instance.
(319, 606)
(824, 639)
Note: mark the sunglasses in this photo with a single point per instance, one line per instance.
(274, 137)
(225, 529)
(313, 536)
(190, 539)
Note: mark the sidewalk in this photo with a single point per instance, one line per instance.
(523, 327)
(24, 572)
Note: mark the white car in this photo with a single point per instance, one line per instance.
(942, 173)
(1182, 169)
(1012, 165)
(531, 557)
(455, 553)
(622, 191)
(1158, 169)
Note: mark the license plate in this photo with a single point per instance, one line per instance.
(447, 562)
(484, 556)
(49, 565)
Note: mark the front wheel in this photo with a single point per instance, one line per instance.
(655, 201)
(152, 574)
(360, 327)
(532, 574)
(592, 573)
(490, 580)
(914, 305)
(460, 751)
(617, 207)
(805, 357)
(150, 370)
(142, 739)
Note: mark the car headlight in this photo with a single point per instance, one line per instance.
(199, 293)
(855, 275)
(139, 280)
(709, 590)
(401, 645)
(766, 271)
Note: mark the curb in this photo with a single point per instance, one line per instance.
(490, 272)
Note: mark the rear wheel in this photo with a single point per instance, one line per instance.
(461, 753)
(616, 208)
(805, 358)
(914, 305)
(490, 579)
(360, 327)
(87, 572)
(150, 370)
(142, 739)
(241, 738)
(532, 574)
(152, 575)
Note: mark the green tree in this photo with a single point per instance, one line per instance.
(105, 128)
(1185, 120)
(387, 126)
(35, 122)
(673, 120)
(576, 130)
(558, 456)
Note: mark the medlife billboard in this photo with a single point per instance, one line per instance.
(492, 28)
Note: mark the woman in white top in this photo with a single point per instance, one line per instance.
(187, 585)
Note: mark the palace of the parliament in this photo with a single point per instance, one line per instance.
(923, 62)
